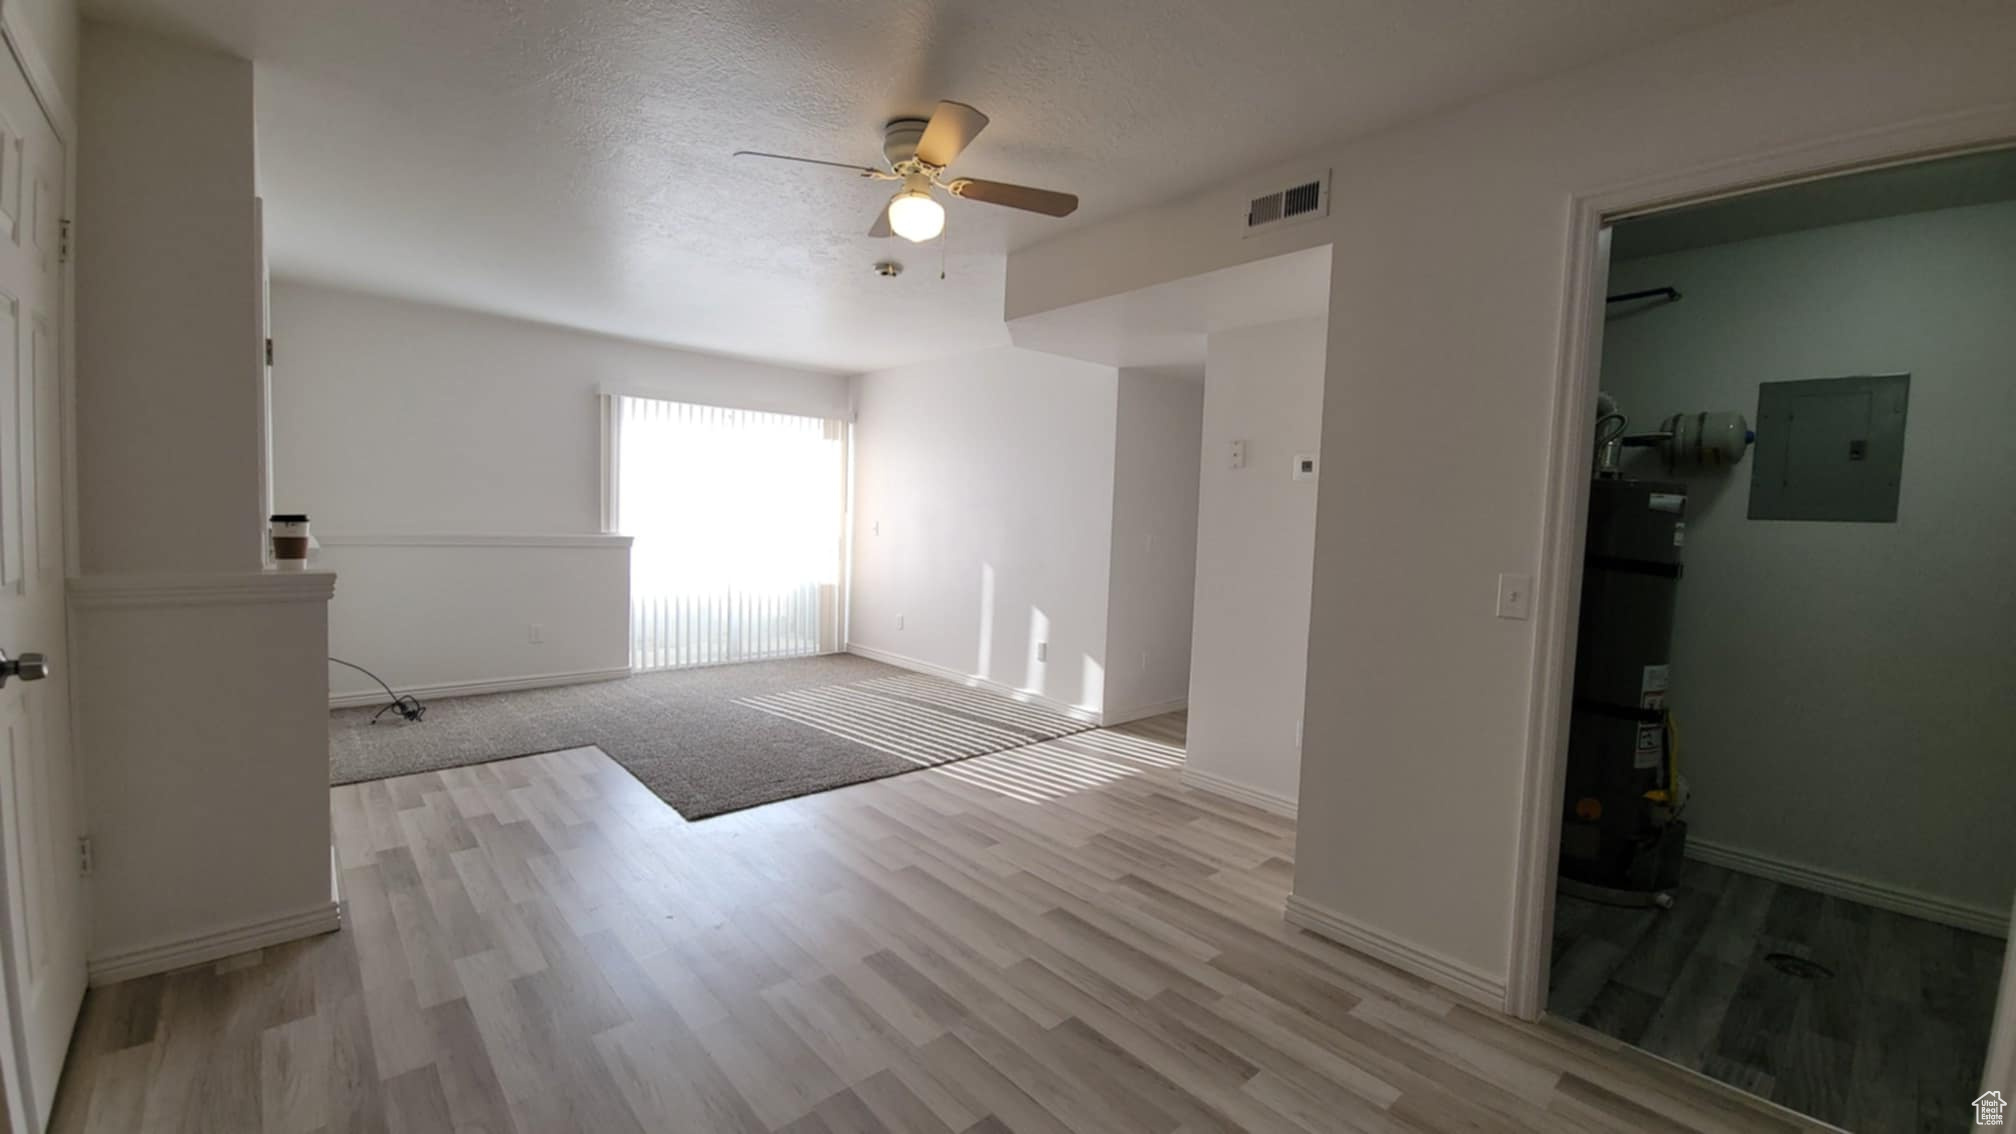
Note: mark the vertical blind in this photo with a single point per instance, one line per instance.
(736, 521)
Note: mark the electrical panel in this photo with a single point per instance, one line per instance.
(1830, 449)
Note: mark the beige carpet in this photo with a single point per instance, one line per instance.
(709, 741)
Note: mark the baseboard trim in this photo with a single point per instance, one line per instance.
(1443, 972)
(1882, 895)
(901, 661)
(473, 688)
(1143, 712)
(126, 964)
(1242, 793)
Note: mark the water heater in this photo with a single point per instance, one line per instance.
(1618, 831)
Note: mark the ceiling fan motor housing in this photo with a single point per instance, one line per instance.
(918, 151)
(899, 139)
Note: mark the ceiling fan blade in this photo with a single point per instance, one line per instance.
(881, 226)
(863, 170)
(1046, 201)
(952, 128)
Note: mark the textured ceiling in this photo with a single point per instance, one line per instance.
(567, 161)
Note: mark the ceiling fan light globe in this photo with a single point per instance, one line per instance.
(915, 216)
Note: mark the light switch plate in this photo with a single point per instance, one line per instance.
(1305, 466)
(1515, 596)
(1238, 454)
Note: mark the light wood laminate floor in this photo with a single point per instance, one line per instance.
(1056, 938)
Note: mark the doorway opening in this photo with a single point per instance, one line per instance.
(1785, 859)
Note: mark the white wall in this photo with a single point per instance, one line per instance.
(394, 422)
(168, 334)
(53, 27)
(1844, 689)
(443, 615)
(1159, 419)
(1256, 540)
(983, 513)
(206, 738)
(1448, 283)
(398, 416)
(200, 688)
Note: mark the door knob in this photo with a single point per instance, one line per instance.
(27, 667)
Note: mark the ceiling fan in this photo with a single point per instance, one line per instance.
(918, 151)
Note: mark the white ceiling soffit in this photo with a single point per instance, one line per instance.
(1166, 325)
(567, 161)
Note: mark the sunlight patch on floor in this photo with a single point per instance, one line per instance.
(1054, 769)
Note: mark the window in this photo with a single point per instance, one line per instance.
(736, 519)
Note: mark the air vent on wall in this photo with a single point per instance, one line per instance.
(1304, 200)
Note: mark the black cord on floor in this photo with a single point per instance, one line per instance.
(406, 705)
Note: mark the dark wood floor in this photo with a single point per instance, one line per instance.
(1887, 1034)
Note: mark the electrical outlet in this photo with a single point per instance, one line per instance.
(899, 622)
(1515, 597)
(1042, 651)
(536, 634)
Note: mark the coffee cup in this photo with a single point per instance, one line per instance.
(290, 541)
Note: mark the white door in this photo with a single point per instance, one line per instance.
(42, 940)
